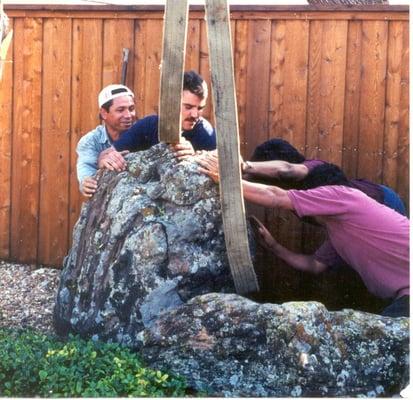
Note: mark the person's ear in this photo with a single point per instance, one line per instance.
(103, 114)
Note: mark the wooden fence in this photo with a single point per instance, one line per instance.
(332, 82)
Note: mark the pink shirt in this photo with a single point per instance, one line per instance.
(368, 236)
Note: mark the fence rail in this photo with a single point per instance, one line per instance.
(333, 82)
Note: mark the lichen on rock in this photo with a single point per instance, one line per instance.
(227, 345)
(150, 239)
(148, 268)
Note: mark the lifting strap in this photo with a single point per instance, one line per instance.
(225, 106)
(226, 115)
(172, 70)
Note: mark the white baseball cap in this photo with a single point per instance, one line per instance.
(110, 92)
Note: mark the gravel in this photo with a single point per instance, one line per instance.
(27, 296)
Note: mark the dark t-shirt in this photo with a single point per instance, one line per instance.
(143, 134)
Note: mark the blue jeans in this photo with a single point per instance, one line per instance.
(392, 200)
(399, 308)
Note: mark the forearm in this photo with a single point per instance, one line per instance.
(300, 262)
(275, 169)
(87, 159)
(266, 196)
(85, 169)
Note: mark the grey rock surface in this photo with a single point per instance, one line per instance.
(148, 268)
(227, 345)
(150, 239)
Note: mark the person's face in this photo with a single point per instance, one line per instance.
(121, 115)
(192, 109)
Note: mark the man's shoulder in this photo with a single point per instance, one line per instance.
(97, 134)
(312, 163)
(148, 119)
(338, 189)
(147, 123)
(204, 125)
(329, 192)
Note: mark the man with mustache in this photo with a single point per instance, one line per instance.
(197, 132)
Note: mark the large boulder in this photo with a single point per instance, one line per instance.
(148, 268)
(150, 239)
(227, 345)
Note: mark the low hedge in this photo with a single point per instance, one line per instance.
(33, 364)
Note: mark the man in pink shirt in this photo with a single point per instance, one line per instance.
(276, 160)
(370, 237)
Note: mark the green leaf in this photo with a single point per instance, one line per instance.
(43, 375)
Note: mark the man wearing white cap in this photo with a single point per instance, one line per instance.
(104, 148)
(117, 111)
(197, 133)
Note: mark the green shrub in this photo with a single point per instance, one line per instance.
(32, 364)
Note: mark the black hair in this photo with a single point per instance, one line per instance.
(277, 149)
(107, 105)
(324, 175)
(194, 83)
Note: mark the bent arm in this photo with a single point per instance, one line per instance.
(87, 159)
(277, 169)
(301, 262)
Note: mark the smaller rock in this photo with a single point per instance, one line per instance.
(227, 345)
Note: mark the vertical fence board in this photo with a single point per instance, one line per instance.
(373, 80)
(117, 34)
(289, 78)
(332, 87)
(27, 95)
(392, 107)
(139, 67)
(326, 112)
(192, 45)
(256, 118)
(403, 148)
(277, 79)
(313, 94)
(86, 84)
(153, 60)
(204, 70)
(6, 128)
(352, 99)
(55, 143)
(240, 65)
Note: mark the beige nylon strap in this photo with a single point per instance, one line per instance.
(225, 104)
(172, 70)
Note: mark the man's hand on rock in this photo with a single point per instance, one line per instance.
(208, 162)
(183, 150)
(89, 186)
(112, 160)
